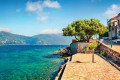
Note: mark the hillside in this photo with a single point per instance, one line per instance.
(42, 39)
(54, 39)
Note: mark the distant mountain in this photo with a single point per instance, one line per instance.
(12, 39)
(7, 38)
(54, 39)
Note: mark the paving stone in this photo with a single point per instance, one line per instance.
(82, 68)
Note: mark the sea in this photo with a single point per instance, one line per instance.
(30, 62)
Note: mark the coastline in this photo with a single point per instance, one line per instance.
(62, 68)
(67, 58)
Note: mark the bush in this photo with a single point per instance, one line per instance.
(105, 34)
(95, 44)
(103, 53)
(87, 48)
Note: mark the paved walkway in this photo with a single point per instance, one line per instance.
(81, 68)
(115, 46)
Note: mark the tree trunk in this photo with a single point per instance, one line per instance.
(76, 38)
(83, 39)
(93, 56)
(88, 38)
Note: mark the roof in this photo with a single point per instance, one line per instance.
(115, 17)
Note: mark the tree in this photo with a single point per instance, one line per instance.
(84, 29)
(105, 33)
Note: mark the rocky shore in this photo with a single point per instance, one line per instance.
(62, 68)
(65, 53)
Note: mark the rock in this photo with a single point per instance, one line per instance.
(65, 60)
(65, 52)
(61, 51)
(61, 67)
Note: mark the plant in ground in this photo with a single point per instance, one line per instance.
(87, 48)
(95, 44)
(103, 53)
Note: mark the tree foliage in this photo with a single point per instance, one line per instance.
(84, 29)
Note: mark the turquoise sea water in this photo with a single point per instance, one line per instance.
(29, 62)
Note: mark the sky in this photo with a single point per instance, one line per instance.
(33, 17)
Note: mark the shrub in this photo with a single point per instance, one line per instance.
(87, 48)
(105, 34)
(95, 44)
(103, 53)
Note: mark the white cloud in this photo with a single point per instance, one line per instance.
(112, 11)
(18, 10)
(38, 7)
(4, 29)
(43, 18)
(51, 4)
(50, 31)
(33, 6)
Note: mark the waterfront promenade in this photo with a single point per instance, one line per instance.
(115, 46)
(82, 68)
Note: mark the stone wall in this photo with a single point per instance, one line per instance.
(78, 47)
(112, 53)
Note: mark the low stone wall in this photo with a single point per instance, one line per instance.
(112, 53)
(78, 47)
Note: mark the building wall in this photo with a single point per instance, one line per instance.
(114, 32)
(118, 28)
(118, 18)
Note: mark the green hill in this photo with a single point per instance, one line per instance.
(54, 39)
(42, 39)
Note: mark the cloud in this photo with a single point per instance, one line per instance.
(51, 4)
(38, 7)
(43, 18)
(18, 10)
(50, 31)
(112, 11)
(33, 6)
(4, 29)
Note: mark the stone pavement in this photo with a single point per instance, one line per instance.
(82, 68)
